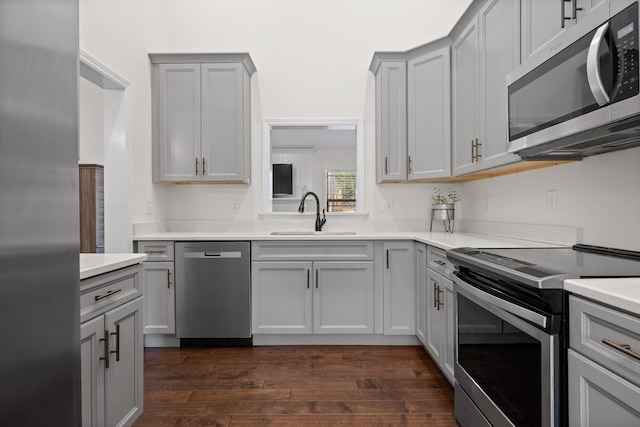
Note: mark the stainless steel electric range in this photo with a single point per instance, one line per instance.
(512, 329)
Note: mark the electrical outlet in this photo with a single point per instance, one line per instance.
(552, 200)
(149, 206)
(235, 206)
(487, 203)
(387, 205)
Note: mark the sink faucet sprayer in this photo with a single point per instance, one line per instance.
(319, 222)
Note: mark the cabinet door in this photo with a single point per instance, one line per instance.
(399, 284)
(343, 297)
(542, 20)
(429, 115)
(281, 297)
(598, 397)
(391, 121)
(179, 122)
(92, 372)
(465, 59)
(449, 347)
(421, 292)
(436, 327)
(159, 298)
(124, 378)
(499, 54)
(223, 137)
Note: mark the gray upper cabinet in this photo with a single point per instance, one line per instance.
(465, 58)
(483, 53)
(413, 113)
(429, 115)
(499, 54)
(543, 20)
(391, 120)
(201, 117)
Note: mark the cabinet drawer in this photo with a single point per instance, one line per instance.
(437, 261)
(102, 293)
(593, 325)
(156, 251)
(311, 251)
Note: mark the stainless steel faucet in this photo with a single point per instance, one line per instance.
(319, 222)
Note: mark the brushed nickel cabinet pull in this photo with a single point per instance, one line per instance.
(152, 252)
(574, 15)
(386, 168)
(204, 166)
(625, 348)
(108, 294)
(473, 157)
(196, 166)
(435, 294)
(409, 168)
(168, 279)
(117, 334)
(440, 291)
(478, 145)
(106, 349)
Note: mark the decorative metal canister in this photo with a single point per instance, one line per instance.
(443, 212)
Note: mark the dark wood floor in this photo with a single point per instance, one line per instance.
(294, 386)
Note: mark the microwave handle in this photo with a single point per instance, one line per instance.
(593, 67)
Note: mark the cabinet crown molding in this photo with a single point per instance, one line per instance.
(187, 58)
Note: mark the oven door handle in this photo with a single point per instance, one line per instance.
(507, 306)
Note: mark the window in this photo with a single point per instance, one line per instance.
(341, 191)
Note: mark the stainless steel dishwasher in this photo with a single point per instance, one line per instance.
(213, 292)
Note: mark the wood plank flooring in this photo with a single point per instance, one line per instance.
(294, 386)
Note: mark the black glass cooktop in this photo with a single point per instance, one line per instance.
(549, 267)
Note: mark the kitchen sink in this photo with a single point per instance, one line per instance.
(313, 233)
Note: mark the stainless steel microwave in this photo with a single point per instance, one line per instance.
(579, 96)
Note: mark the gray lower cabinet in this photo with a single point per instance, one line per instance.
(399, 287)
(429, 115)
(201, 117)
(441, 323)
(439, 311)
(603, 365)
(112, 348)
(483, 53)
(319, 288)
(421, 293)
(158, 281)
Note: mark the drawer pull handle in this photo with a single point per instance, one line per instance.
(168, 279)
(625, 348)
(440, 263)
(108, 294)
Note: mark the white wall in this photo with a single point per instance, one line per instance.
(312, 58)
(600, 195)
(90, 123)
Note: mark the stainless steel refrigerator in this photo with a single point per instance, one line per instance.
(39, 230)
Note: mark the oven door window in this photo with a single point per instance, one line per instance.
(503, 360)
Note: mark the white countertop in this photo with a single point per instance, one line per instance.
(621, 293)
(439, 239)
(95, 264)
